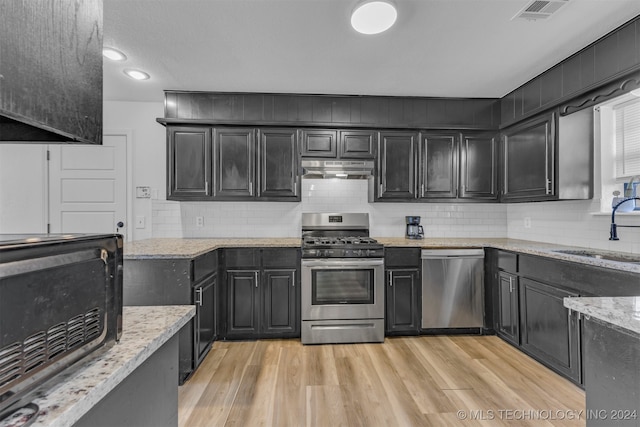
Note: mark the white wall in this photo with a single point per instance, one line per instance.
(148, 162)
(575, 223)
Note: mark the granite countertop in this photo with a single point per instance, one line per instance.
(190, 248)
(619, 312)
(74, 392)
(163, 248)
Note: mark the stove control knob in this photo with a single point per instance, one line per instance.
(358, 252)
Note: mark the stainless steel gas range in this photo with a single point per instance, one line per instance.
(342, 280)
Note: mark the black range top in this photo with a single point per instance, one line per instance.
(338, 236)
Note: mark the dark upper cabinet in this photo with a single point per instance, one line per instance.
(278, 163)
(439, 165)
(396, 173)
(479, 167)
(528, 159)
(51, 71)
(233, 163)
(342, 144)
(319, 143)
(188, 163)
(255, 164)
(356, 144)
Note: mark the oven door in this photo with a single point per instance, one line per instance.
(342, 288)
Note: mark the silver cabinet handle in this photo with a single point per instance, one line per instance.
(256, 275)
(422, 190)
(510, 284)
(547, 186)
(380, 194)
(391, 278)
(251, 188)
(206, 187)
(199, 297)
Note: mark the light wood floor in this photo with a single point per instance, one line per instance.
(408, 381)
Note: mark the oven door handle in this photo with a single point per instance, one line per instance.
(335, 263)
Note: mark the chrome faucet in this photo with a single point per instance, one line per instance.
(628, 192)
(613, 233)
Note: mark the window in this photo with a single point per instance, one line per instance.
(618, 127)
(627, 138)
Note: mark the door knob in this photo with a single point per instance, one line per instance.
(120, 224)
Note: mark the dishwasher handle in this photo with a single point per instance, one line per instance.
(451, 253)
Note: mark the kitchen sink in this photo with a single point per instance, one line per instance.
(608, 256)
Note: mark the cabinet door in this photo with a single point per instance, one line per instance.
(439, 165)
(279, 164)
(550, 331)
(205, 326)
(233, 163)
(279, 293)
(508, 316)
(242, 304)
(319, 143)
(189, 163)
(357, 144)
(396, 171)
(528, 157)
(479, 167)
(402, 302)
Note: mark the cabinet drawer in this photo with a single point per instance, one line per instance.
(508, 261)
(204, 265)
(242, 258)
(280, 257)
(402, 257)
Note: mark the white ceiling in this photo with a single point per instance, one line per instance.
(451, 48)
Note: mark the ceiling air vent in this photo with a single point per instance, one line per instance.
(540, 9)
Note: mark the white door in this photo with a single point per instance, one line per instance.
(88, 187)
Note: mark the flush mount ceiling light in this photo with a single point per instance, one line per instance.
(373, 17)
(113, 54)
(136, 74)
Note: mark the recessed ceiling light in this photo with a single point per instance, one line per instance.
(373, 17)
(113, 54)
(136, 74)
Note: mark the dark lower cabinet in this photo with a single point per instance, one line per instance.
(263, 300)
(508, 324)
(192, 281)
(279, 302)
(402, 302)
(550, 330)
(205, 318)
(243, 304)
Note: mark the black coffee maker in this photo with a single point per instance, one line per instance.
(414, 229)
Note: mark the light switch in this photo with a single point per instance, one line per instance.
(140, 222)
(143, 192)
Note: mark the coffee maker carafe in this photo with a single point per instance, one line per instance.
(414, 229)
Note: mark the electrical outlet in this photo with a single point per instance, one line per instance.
(140, 222)
(527, 222)
(199, 221)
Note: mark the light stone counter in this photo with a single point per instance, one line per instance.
(619, 312)
(78, 389)
(190, 248)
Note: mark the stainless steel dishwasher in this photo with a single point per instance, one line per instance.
(452, 288)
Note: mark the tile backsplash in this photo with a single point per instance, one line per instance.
(573, 223)
(282, 219)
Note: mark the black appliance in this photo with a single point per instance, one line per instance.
(60, 300)
(414, 229)
(342, 282)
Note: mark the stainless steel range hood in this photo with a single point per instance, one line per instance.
(346, 169)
